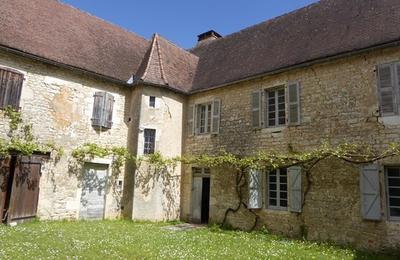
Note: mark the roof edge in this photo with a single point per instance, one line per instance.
(302, 65)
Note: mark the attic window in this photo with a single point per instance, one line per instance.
(152, 101)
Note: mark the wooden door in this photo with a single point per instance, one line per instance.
(4, 178)
(196, 199)
(25, 189)
(94, 186)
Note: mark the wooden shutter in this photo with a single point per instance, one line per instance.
(197, 187)
(10, 88)
(295, 194)
(98, 108)
(4, 182)
(256, 108)
(294, 103)
(370, 192)
(196, 119)
(190, 124)
(255, 192)
(386, 83)
(216, 114)
(108, 113)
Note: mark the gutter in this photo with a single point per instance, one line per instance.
(301, 65)
(168, 87)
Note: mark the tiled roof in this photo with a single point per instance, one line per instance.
(61, 33)
(324, 29)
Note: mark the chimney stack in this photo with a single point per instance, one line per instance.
(207, 37)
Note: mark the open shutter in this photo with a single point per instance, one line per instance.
(370, 192)
(255, 193)
(108, 115)
(196, 120)
(216, 111)
(294, 103)
(256, 108)
(10, 88)
(386, 83)
(295, 194)
(98, 109)
(190, 125)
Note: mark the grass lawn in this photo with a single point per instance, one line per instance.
(132, 240)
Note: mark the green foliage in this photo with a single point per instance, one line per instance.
(21, 139)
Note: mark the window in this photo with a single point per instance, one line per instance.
(10, 88)
(275, 107)
(393, 192)
(204, 118)
(103, 110)
(389, 88)
(152, 101)
(149, 141)
(277, 189)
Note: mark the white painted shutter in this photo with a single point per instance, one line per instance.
(255, 192)
(386, 86)
(196, 119)
(190, 125)
(196, 199)
(295, 194)
(98, 108)
(108, 111)
(216, 112)
(256, 108)
(294, 103)
(370, 192)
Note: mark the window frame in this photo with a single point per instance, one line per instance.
(152, 103)
(391, 218)
(265, 109)
(145, 152)
(208, 109)
(396, 88)
(278, 191)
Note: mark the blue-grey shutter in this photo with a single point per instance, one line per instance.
(255, 191)
(370, 192)
(190, 125)
(98, 108)
(108, 111)
(294, 103)
(256, 109)
(295, 194)
(216, 111)
(386, 87)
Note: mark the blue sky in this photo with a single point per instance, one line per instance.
(181, 21)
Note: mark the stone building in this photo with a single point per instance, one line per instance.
(329, 71)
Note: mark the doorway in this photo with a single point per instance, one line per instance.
(200, 195)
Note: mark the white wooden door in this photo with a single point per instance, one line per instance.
(196, 199)
(93, 191)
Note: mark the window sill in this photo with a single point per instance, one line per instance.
(389, 120)
(273, 130)
(277, 211)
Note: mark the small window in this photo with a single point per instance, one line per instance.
(277, 189)
(149, 141)
(393, 192)
(152, 101)
(204, 118)
(10, 88)
(275, 107)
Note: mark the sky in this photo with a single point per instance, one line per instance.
(181, 21)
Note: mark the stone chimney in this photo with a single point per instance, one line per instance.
(207, 37)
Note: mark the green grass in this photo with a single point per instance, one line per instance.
(138, 240)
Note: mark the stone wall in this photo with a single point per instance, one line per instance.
(339, 103)
(59, 103)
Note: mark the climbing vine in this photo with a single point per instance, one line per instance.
(21, 139)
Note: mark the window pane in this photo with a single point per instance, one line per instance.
(152, 101)
(283, 179)
(283, 187)
(394, 192)
(272, 178)
(395, 212)
(394, 202)
(272, 194)
(272, 186)
(272, 202)
(283, 195)
(149, 141)
(394, 181)
(283, 203)
(393, 172)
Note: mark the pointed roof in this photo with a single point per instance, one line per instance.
(167, 64)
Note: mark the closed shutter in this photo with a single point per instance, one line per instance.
(295, 194)
(190, 125)
(294, 103)
(108, 116)
(255, 193)
(216, 111)
(370, 192)
(10, 88)
(386, 83)
(256, 105)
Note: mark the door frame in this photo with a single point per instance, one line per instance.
(203, 173)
